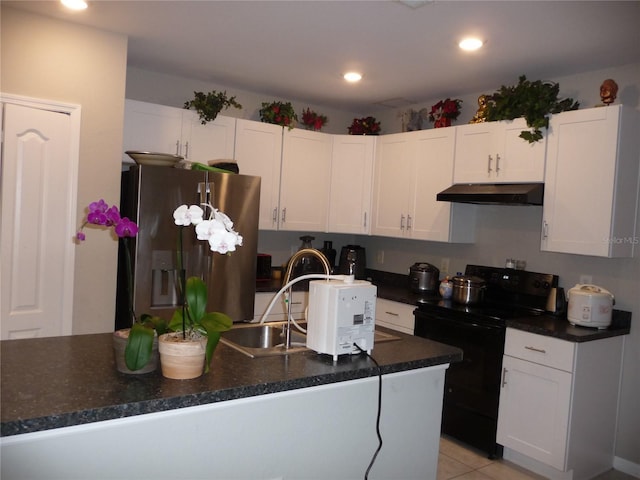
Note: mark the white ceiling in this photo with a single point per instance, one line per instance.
(299, 49)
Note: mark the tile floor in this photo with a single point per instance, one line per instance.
(460, 462)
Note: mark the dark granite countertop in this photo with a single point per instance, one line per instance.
(56, 382)
(396, 287)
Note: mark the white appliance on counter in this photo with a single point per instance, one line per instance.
(590, 306)
(341, 315)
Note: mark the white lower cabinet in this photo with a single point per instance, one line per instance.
(395, 315)
(278, 313)
(558, 404)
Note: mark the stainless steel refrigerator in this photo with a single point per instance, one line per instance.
(149, 196)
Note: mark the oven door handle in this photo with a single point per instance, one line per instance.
(469, 325)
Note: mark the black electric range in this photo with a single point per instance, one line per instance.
(472, 387)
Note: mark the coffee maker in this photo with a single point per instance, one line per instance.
(353, 261)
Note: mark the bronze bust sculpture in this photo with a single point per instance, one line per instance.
(608, 91)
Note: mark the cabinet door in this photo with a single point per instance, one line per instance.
(304, 188)
(591, 183)
(258, 151)
(351, 184)
(212, 141)
(151, 128)
(533, 417)
(475, 154)
(517, 160)
(433, 172)
(493, 152)
(392, 179)
(395, 315)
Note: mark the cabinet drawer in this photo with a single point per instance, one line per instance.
(548, 351)
(395, 315)
(278, 312)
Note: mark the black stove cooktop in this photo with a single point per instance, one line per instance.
(509, 294)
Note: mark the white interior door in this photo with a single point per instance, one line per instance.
(38, 194)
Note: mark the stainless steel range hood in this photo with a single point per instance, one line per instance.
(494, 193)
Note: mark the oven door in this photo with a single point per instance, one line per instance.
(472, 387)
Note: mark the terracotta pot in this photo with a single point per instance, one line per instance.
(181, 359)
(120, 338)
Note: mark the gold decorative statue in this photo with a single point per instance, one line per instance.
(481, 114)
(608, 91)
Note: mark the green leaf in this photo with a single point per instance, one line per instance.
(139, 347)
(176, 320)
(216, 322)
(212, 342)
(196, 294)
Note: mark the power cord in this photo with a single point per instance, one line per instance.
(375, 454)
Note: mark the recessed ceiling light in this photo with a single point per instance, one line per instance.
(352, 77)
(470, 44)
(74, 4)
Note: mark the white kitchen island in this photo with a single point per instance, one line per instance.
(289, 417)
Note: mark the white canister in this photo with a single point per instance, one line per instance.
(446, 288)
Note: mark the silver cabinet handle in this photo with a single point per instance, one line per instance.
(489, 160)
(401, 222)
(497, 163)
(274, 217)
(177, 147)
(393, 313)
(365, 219)
(409, 222)
(284, 215)
(545, 229)
(504, 377)
(186, 150)
(534, 349)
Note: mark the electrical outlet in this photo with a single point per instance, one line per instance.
(444, 266)
(380, 257)
(586, 279)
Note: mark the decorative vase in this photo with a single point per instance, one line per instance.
(120, 338)
(180, 358)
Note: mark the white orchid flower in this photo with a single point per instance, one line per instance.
(188, 215)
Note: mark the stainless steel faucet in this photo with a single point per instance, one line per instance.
(295, 258)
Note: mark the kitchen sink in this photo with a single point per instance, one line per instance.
(267, 339)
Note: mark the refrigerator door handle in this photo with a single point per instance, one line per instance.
(205, 191)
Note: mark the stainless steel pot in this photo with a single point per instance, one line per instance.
(423, 278)
(468, 290)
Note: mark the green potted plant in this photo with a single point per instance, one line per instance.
(211, 104)
(532, 100)
(136, 348)
(195, 332)
(278, 113)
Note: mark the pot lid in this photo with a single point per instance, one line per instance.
(590, 290)
(423, 267)
(468, 280)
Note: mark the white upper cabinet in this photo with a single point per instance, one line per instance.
(410, 170)
(212, 141)
(493, 152)
(158, 128)
(392, 180)
(151, 128)
(305, 179)
(258, 151)
(351, 183)
(591, 182)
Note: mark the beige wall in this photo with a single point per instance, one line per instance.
(53, 60)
